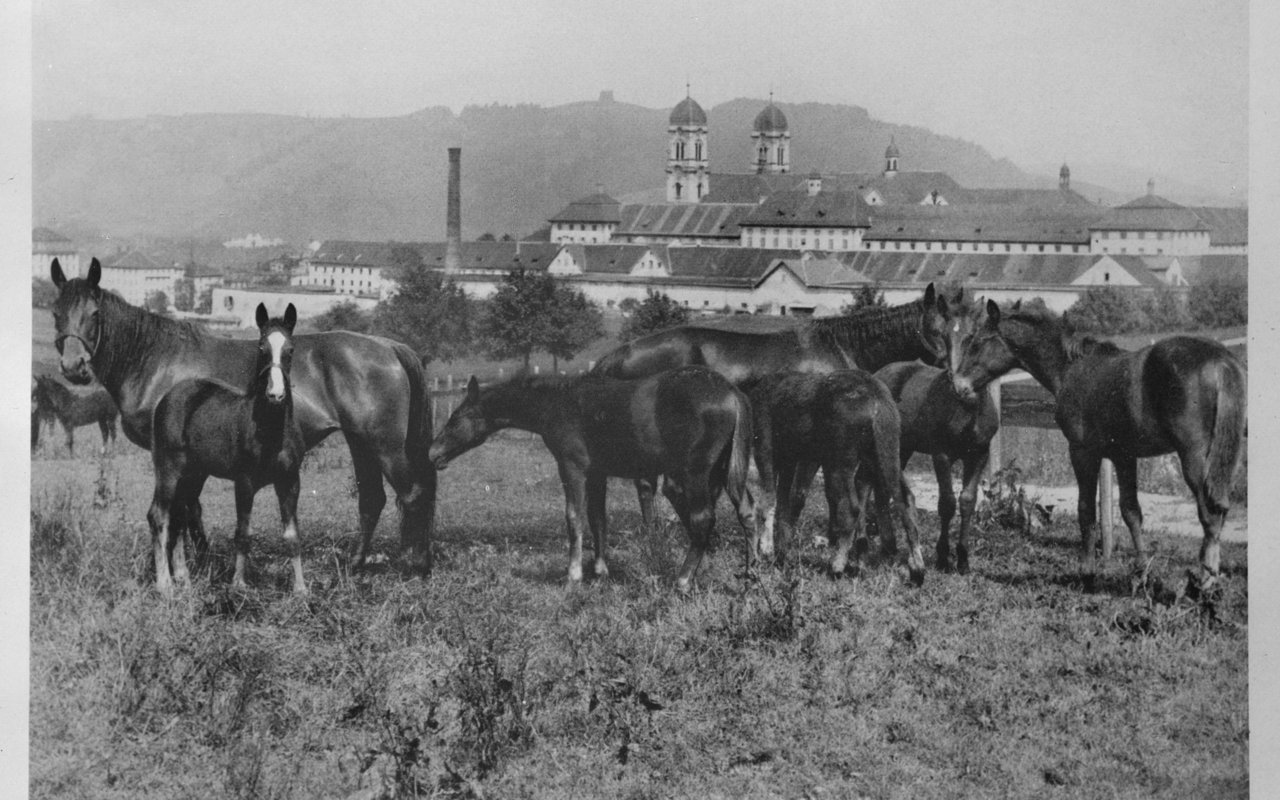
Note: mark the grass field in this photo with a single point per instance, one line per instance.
(494, 678)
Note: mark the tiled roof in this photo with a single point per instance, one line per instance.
(827, 271)
(48, 235)
(982, 223)
(495, 256)
(1227, 226)
(732, 265)
(611, 259)
(136, 259)
(354, 254)
(995, 269)
(799, 208)
(715, 220)
(1030, 198)
(1150, 218)
(748, 187)
(597, 207)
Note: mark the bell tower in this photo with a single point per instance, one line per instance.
(688, 163)
(771, 141)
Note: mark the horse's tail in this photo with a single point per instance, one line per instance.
(611, 363)
(1227, 440)
(419, 433)
(740, 457)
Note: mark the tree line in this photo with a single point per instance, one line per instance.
(530, 312)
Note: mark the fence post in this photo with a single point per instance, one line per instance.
(1106, 482)
(995, 462)
(448, 382)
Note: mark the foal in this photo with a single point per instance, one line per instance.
(204, 428)
(935, 420)
(842, 421)
(51, 399)
(689, 425)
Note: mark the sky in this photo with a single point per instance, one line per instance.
(1155, 85)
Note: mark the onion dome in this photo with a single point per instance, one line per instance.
(892, 150)
(771, 119)
(688, 114)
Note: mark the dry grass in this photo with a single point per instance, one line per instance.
(494, 678)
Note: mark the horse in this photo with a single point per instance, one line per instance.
(868, 338)
(1183, 394)
(937, 421)
(689, 425)
(843, 421)
(51, 399)
(203, 428)
(370, 388)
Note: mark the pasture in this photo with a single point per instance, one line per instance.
(495, 678)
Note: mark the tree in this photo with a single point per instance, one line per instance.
(344, 316)
(866, 296)
(575, 323)
(428, 312)
(204, 304)
(1219, 302)
(184, 294)
(1107, 310)
(43, 293)
(519, 316)
(656, 312)
(157, 302)
(1166, 310)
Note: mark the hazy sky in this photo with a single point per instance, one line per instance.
(1159, 85)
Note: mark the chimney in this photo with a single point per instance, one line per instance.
(453, 220)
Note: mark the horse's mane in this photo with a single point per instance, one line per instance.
(137, 333)
(854, 332)
(1075, 345)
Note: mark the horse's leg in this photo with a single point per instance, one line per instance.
(946, 512)
(287, 488)
(175, 543)
(158, 519)
(1131, 513)
(244, 510)
(785, 512)
(193, 517)
(597, 519)
(373, 497)
(701, 518)
(646, 488)
(1212, 516)
(798, 489)
(575, 501)
(71, 438)
(417, 504)
(842, 492)
(1086, 465)
(760, 543)
(974, 465)
(906, 514)
(102, 428)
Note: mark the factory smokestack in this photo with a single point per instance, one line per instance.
(453, 221)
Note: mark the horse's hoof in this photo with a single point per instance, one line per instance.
(1090, 582)
(917, 577)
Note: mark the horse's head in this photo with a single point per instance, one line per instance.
(948, 319)
(980, 354)
(275, 351)
(468, 427)
(77, 322)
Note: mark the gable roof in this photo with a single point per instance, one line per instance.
(1227, 226)
(983, 222)
(990, 270)
(598, 207)
(48, 235)
(715, 220)
(136, 259)
(799, 208)
(815, 272)
(611, 259)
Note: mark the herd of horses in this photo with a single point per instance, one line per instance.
(692, 406)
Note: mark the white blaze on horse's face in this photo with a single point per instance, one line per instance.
(275, 376)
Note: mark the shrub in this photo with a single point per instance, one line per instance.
(865, 296)
(1219, 302)
(1166, 310)
(1107, 310)
(657, 313)
(345, 316)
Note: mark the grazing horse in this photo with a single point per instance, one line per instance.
(689, 425)
(937, 421)
(1184, 395)
(372, 389)
(204, 428)
(51, 400)
(841, 421)
(868, 338)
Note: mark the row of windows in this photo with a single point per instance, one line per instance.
(978, 247)
(1157, 235)
(678, 152)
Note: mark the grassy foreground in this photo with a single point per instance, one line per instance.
(493, 678)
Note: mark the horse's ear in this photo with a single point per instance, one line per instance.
(261, 317)
(1017, 304)
(473, 390)
(55, 272)
(929, 294)
(290, 317)
(993, 314)
(95, 274)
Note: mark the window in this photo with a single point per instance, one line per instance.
(782, 155)
(697, 151)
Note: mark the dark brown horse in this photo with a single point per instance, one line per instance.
(937, 421)
(1184, 395)
(51, 400)
(203, 428)
(689, 425)
(869, 338)
(371, 389)
(842, 421)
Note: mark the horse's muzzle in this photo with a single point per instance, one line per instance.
(76, 370)
(964, 389)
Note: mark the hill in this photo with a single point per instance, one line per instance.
(300, 178)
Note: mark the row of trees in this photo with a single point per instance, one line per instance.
(1214, 302)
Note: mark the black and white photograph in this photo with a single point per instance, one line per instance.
(567, 399)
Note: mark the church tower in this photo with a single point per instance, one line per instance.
(891, 156)
(772, 141)
(688, 164)
(1064, 178)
